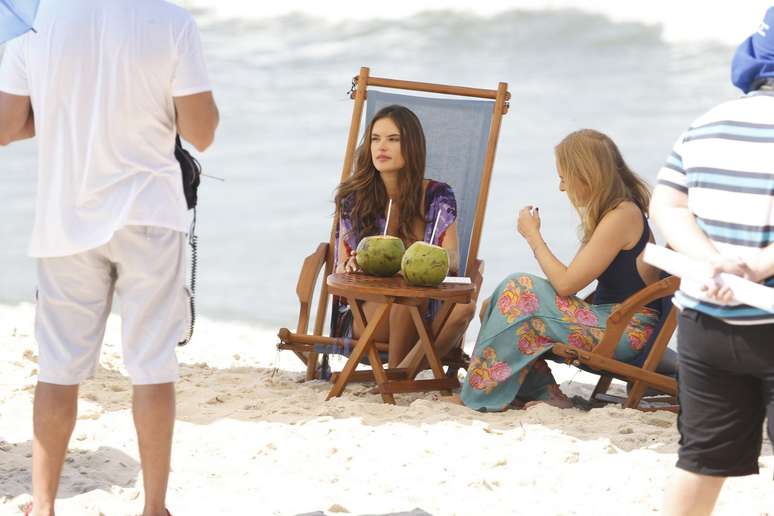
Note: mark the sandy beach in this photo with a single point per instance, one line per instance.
(251, 439)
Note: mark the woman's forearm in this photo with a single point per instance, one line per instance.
(554, 269)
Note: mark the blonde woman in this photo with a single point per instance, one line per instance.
(527, 314)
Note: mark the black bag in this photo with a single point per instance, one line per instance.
(192, 172)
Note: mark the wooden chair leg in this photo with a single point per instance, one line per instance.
(602, 386)
(636, 392)
(311, 366)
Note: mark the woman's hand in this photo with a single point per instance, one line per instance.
(528, 222)
(350, 265)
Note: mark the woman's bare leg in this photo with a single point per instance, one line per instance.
(484, 308)
(454, 329)
(397, 330)
(448, 337)
(403, 334)
(382, 332)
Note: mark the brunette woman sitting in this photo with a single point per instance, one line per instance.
(390, 166)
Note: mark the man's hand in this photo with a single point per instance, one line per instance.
(713, 290)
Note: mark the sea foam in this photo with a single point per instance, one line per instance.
(681, 22)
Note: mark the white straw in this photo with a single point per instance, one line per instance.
(387, 222)
(437, 218)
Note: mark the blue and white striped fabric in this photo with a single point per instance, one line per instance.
(725, 164)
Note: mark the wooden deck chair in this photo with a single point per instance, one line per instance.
(461, 131)
(642, 374)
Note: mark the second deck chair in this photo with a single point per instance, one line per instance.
(461, 138)
(642, 374)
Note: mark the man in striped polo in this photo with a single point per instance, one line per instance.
(715, 202)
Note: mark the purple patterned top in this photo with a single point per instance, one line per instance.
(439, 199)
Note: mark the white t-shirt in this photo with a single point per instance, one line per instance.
(101, 75)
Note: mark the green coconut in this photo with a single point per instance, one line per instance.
(425, 264)
(380, 255)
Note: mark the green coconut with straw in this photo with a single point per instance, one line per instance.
(424, 264)
(380, 255)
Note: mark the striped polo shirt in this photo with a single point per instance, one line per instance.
(724, 162)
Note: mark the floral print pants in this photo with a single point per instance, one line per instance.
(524, 319)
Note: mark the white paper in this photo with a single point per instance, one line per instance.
(460, 280)
(745, 291)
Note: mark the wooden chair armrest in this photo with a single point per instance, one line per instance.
(620, 318)
(657, 290)
(307, 280)
(477, 277)
(310, 271)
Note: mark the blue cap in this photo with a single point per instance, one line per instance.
(754, 59)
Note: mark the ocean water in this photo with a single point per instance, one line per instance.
(641, 72)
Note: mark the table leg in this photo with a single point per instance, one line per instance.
(413, 360)
(427, 342)
(363, 343)
(379, 374)
(373, 354)
(357, 312)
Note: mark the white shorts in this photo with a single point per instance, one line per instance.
(145, 266)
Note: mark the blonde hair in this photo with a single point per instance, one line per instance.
(590, 158)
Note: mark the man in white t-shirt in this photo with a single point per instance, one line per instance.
(105, 85)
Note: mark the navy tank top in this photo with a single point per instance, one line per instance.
(621, 279)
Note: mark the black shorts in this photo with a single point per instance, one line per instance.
(726, 389)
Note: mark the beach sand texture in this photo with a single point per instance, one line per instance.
(252, 439)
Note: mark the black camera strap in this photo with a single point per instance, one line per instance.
(192, 243)
(191, 175)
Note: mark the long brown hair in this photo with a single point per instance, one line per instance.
(365, 185)
(592, 159)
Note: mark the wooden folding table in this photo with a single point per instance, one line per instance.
(359, 288)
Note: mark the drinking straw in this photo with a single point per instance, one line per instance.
(437, 218)
(387, 222)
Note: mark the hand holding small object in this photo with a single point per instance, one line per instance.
(351, 264)
(722, 293)
(528, 222)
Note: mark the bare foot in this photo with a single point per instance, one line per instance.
(559, 403)
(454, 398)
(556, 398)
(517, 404)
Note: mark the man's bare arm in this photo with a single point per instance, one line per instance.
(197, 119)
(669, 210)
(17, 121)
(762, 264)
